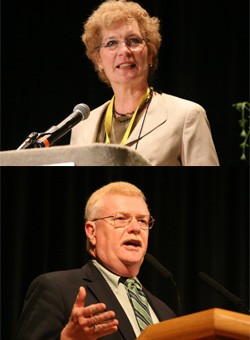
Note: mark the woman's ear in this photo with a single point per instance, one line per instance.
(150, 61)
(98, 63)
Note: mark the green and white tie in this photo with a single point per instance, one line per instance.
(139, 303)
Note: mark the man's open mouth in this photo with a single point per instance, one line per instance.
(134, 243)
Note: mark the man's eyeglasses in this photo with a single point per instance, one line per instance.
(133, 43)
(121, 220)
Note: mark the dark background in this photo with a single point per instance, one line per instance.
(45, 73)
(202, 221)
(202, 224)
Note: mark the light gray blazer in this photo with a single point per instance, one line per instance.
(175, 132)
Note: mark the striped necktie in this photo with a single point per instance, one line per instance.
(139, 303)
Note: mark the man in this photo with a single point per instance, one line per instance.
(94, 301)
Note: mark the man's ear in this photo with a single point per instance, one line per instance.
(90, 230)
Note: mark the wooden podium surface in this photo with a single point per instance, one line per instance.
(209, 324)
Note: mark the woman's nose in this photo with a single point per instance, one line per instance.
(123, 47)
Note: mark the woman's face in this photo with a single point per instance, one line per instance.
(124, 64)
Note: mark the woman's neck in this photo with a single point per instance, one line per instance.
(127, 99)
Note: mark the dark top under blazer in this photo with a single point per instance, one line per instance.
(50, 298)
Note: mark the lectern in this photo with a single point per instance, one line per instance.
(209, 324)
(92, 155)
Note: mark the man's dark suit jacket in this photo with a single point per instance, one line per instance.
(50, 298)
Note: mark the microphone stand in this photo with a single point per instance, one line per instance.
(168, 276)
(223, 291)
(31, 140)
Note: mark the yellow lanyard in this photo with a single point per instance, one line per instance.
(109, 117)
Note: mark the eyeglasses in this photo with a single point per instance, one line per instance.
(121, 220)
(133, 43)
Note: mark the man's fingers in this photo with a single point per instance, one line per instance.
(80, 313)
(105, 328)
(103, 317)
(79, 302)
(93, 310)
(89, 310)
(91, 322)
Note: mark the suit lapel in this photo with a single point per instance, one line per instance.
(92, 124)
(162, 311)
(102, 292)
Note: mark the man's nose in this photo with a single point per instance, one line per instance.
(134, 224)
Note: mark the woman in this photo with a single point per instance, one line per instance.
(123, 41)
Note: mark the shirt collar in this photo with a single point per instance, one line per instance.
(111, 278)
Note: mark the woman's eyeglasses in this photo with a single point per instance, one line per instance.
(133, 43)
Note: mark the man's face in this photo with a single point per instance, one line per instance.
(120, 249)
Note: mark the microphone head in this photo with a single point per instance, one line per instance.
(83, 109)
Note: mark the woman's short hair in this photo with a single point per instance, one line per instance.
(114, 11)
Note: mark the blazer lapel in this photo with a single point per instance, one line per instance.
(92, 124)
(155, 117)
(101, 290)
(162, 311)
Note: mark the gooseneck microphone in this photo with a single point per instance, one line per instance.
(165, 273)
(223, 291)
(55, 132)
(80, 112)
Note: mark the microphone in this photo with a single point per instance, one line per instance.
(46, 139)
(223, 291)
(165, 273)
